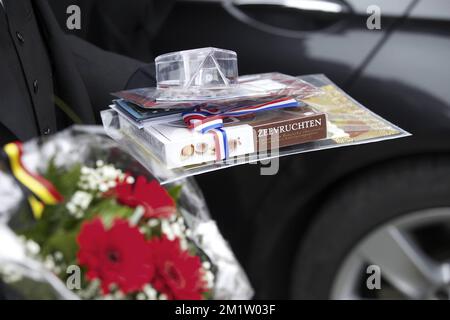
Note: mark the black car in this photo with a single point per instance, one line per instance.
(327, 221)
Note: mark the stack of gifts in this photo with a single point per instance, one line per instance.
(202, 113)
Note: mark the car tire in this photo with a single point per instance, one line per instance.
(358, 206)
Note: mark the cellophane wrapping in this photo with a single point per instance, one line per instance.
(33, 266)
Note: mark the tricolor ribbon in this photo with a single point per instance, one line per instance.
(41, 192)
(205, 119)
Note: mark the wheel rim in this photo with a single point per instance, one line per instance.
(413, 256)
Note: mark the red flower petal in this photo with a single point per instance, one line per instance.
(116, 256)
(155, 200)
(177, 274)
(159, 196)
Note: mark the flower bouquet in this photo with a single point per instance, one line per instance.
(83, 219)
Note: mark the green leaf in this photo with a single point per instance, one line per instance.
(108, 209)
(65, 181)
(65, 242)
(175, 192)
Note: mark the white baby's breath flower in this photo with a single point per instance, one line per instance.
(92, 185)
(162, 296)
(150, 292)
(83, 186)
(111, 184)
(183, 244)
(109, 172)
(141, 296)
(79, 215)
(181, 222)
(167, 230)
(103, 187)
(49, 263)
(176, 230)
(209, 279)
(143, 230)
(82, 199)
(71, 207)
(130, 180)
(57, 270)
(99, 179)
(58, 256)
(10, 274)
(79, 202)
(206, 265)
(119, 295)
(153, 223)
(32, 247)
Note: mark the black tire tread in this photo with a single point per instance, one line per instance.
(358, 206)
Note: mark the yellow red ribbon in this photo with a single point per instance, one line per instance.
(36, 206)
(44, 193)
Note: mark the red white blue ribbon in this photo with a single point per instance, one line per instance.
(205, 119)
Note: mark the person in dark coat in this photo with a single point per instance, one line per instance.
(49, 80)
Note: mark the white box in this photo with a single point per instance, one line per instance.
(178, 146)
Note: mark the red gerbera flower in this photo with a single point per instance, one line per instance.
(177, 274)
(116, 256)
(155, 200)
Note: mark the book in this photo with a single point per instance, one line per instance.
(139, 114)
(290, 126)
(177, 146)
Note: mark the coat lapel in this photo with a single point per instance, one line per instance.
(69, 86)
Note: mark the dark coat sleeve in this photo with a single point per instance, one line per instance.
(104, 72)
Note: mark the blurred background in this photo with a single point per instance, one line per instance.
(312, 230)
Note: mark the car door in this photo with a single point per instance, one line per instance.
(412, 72)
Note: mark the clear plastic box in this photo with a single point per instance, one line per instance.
(209, 68)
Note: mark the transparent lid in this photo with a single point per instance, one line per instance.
(205, 68)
